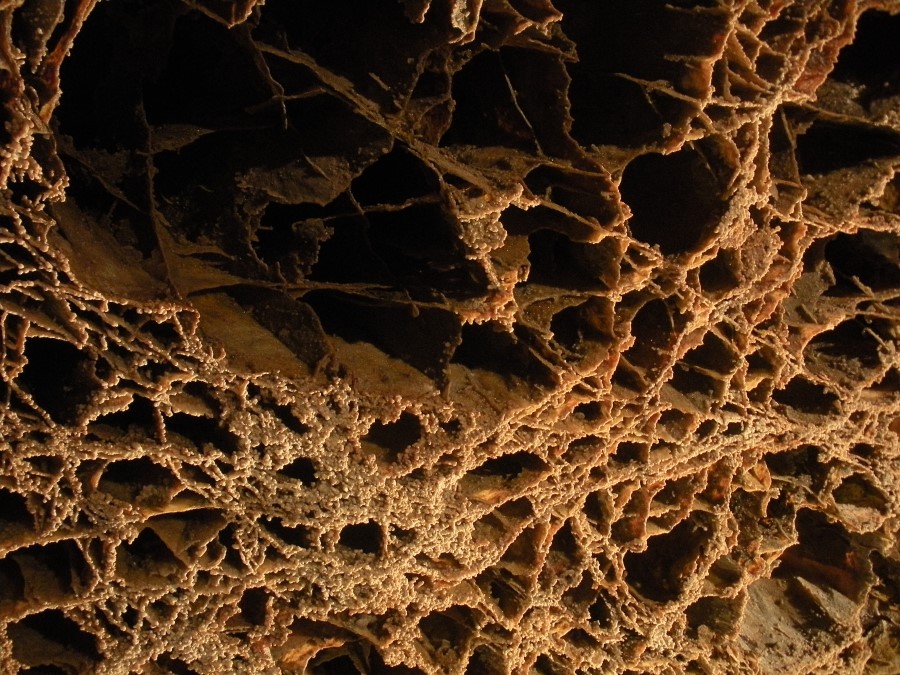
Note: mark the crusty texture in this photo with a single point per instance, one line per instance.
(450, 336)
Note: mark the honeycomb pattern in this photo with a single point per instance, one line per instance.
(450, 336)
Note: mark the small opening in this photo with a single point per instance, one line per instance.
(126, 479)
(871, 257)
(581, 639)
(821, 556)
(653, 328)
(598, 509)
(803, 461)
(12, 584)
(848, 341)
(489, 346)
(202, 431)
(713, 354)
(600, 613)
(590, 411)
(286, 416)
(453, 626)
(364, 537)
(486, 113)
(635, 38)
(576, 328)
(44, 670)
(57, 375)
(15, 518)
(327, 663)
(873, 56)
(253, 605)
(395, 178)
(628, 451)
(674, 200)
(828, 146)
(807, 397)
(60, 565)
(147, 554)
(857, 490)
(295, 535)
(391, 439)
(544, 665)
(510, 466)
(423, 339)
(173, 665)
(140, 415)
(302, 469)
(721, 274)
(36, 637)
(719, 614)
(564, 545)
(661, 571)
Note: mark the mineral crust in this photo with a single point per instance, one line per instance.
(450, 336)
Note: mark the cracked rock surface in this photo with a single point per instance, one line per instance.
(450, 336)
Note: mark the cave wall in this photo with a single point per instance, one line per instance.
(450, 336)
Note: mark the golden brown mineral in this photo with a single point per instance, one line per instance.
(450, 336)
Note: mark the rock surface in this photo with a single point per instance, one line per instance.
(450, 336)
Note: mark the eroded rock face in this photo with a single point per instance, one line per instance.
(453, 336)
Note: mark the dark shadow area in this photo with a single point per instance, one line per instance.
(675, 200)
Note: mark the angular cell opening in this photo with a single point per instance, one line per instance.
(598, 508)
(721, 615)
(295, 535)
(807, 397)
(674, 199)
(871, 257)
(129, 479)
(394, 178)
(254, 605)
(599, 612)
(849, 341)
(58, 375)
(857, 490)
(389, 440)
(823, 556)
(453, 627)
(628, 451)
(15, 518)
(203, 431)
(489, 346)
(508, 591)
(486, 113)
(578, 327)
(49, 637)
(564, 547)
(872, 58)
(661, 571)
(53, 571)
(713, 354)
(653, 328)
(45, 638)
(423, 337)
(171, 664)
(364, 537)
(300, 469)
(722, 273)
(636, 39)
(486, 660)
(827, 146)
(419, 247)
(511, 466)
(12, 585)
(140, 416)
(146, 557)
